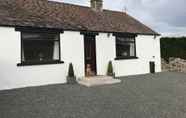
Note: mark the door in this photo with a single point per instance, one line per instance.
(90, 55)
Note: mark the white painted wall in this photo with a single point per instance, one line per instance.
(12, 76)
(146, 48)
(72, 50)
(105, 51)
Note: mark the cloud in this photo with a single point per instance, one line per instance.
(167, 17)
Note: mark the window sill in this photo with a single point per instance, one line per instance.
(39, 63)
(125, 58)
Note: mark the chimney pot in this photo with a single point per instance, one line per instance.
(97, 5)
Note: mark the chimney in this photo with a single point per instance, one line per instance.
(97, 5)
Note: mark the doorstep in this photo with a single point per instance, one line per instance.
(98, 81)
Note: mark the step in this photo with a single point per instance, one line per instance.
(98, 81)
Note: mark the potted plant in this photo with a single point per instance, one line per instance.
(110, 69)
(71, 79)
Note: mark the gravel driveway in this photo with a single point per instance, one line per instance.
(162, 95)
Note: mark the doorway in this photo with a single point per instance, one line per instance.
(90, 55)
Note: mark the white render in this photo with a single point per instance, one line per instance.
(146, 48)
(72, 50)
(12, 76)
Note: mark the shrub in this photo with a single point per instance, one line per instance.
(110, 69)
(71, 79)
(71, 70)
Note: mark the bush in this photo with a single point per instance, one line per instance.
(71, 79)
(71, 71)
(110, 69)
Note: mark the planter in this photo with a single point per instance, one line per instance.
(71, 80)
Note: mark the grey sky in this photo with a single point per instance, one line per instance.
(167, 17)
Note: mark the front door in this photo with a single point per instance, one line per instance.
(90, 55)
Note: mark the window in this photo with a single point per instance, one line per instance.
(40, 48)
(125, 47)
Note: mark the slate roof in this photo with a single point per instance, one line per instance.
(47, 14)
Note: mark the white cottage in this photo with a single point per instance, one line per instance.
(39, 38)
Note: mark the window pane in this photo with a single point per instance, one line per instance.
(132, 49)
(56, 51)
(123, 50)
(125, 47)
(36, 48)
(125, 39)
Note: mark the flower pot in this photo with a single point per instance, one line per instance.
(71, 80)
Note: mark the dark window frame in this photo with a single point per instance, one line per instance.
(126, 35)
(39, 30)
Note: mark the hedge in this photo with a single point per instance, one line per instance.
(173, 47)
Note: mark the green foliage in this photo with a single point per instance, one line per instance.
(71, 71)
(110, 69)
(173, 47)
(71, 79)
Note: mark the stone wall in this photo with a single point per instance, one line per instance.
(174, 65)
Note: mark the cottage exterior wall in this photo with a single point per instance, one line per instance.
(12, 76)
(147, 49)
(72, 51)
(105, 51)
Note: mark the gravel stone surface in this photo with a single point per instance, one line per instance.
(162, 95)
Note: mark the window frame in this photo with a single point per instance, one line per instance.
(125, 35)
(39, 30)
